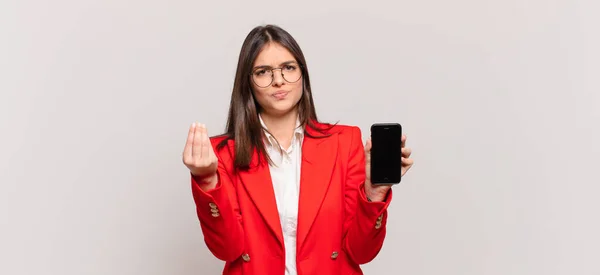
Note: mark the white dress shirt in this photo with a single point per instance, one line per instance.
(285, 175)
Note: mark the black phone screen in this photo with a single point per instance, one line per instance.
(386, 153)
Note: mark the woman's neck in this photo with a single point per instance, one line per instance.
(281, 127)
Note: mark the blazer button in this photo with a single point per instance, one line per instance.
(246, 257)
(212, 205)
(334, 255)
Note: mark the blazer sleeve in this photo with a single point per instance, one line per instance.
(219, 215)
(365, 221)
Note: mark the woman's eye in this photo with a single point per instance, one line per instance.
(290, 67)
(260, 72)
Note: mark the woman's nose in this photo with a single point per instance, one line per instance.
(278, 78)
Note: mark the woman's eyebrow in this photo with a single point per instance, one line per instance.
(288, 62)
(283, 63)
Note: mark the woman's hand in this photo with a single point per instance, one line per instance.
(378, 192)
(200, 158)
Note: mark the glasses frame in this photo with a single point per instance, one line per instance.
(251, 74)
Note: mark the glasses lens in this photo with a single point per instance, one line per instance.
(262, 77)
(291, 72)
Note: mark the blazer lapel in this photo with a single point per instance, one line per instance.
(258, 183)
(318, 159)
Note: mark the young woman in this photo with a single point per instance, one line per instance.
(280, 192)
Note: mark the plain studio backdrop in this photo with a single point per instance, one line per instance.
(500, 101)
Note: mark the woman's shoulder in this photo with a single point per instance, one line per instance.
(346, 134)
(337, 128)
(221, 141)
(219, 138)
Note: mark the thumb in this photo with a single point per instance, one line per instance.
(211, 149)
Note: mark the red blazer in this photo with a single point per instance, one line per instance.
(338, 228)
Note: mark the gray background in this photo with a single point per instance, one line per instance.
(499, 100)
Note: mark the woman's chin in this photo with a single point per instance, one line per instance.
(281, 109)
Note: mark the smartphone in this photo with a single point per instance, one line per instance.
(386, 153)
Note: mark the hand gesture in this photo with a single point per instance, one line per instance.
(199, 156)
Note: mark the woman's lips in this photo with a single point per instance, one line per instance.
(280, 94)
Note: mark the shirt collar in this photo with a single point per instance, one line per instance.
(298, 131)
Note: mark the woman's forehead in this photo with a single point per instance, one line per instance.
(273, 54)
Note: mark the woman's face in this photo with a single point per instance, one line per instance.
(279, 94)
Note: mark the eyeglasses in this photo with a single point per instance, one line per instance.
(263, 76)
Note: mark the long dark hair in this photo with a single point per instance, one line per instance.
(243, 124)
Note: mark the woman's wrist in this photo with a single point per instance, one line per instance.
(378, 195)
(375, 198)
